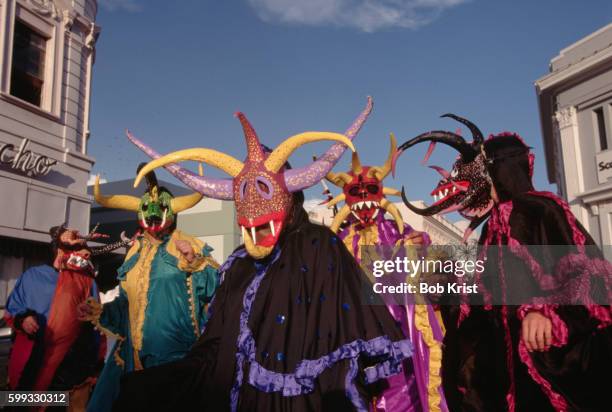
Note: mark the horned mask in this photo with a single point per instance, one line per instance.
(260, 186)
(364, 194)
(156, 209)
(467, 187)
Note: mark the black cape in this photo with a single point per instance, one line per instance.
(476, 375)
(308, 305)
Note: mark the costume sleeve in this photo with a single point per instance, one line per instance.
(111, 318)
(17, 306)
(205, 283)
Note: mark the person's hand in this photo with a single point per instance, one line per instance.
(416, 238)
(537, 332)
(29, 325)
(84, 311)
(186, 250)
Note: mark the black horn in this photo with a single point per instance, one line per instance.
(476, 133)
(467, 151)
(428, 211)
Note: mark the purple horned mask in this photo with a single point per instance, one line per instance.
(260, 186)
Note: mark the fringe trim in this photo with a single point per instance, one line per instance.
(421, 321)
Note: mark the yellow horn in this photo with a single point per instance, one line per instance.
(389, 191)
(221, 161)
(178, 204)
(386, 168)
(181, 203)
(356, 163)
(381, 172)
(279, 156)
(397, 216)
(339, 179)
(125, 202)
(340, 198)
(339, 218)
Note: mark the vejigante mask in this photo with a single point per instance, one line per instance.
(364, 194)
(72, 251)
(467, 187)
(157, 208)
(260, 186)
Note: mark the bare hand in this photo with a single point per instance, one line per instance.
(537, 332)
(416, 238)
(186, 250)
(29, 325)
(84, 311)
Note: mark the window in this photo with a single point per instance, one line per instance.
(601, 128)
(27, 75)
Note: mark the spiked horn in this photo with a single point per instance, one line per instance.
(339, 218)
(428, 211)
(221, 161)
(279, 156)
(383, 171)
(476, 133)
(448, 138)
(208, 186)
(125, 202)
(178, 204)
(304, 177)
(339, 179)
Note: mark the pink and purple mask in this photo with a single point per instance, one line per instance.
(260, 186)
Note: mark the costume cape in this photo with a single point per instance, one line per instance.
(287, 333)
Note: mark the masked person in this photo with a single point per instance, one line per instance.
(288, 330)
(53, 350)
(538, 336)
(367, 230)
(166, 282)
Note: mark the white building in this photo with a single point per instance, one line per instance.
(441, 230)
(47, 50)
(575, 103)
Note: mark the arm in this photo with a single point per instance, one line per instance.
(205, 283)
(110, 318)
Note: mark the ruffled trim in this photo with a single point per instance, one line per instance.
(558, 402)
(192, 306)
(303, 380)
(434, 382)
(94, 318)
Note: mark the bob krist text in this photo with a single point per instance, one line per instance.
(408, 269)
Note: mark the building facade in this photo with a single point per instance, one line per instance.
(47, 51)
(575, 105)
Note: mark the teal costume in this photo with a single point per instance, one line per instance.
(159, 313)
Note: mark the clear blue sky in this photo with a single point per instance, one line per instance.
(175, 72)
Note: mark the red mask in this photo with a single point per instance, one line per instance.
(364, 194)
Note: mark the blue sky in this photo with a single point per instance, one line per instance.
(175, 72)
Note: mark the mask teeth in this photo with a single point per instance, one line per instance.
(164, 218)
(243, 232)
(253, 235)
(375, 214)
(272, 228)
(144, 223)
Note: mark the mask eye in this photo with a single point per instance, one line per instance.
(454, 173)
(242, 189)
(264, 187)
(145, 206)
(372, 189)
(354, 191)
